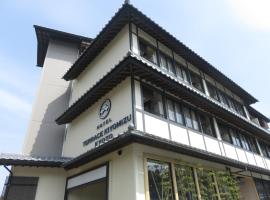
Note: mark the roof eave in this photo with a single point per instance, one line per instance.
(44, 35)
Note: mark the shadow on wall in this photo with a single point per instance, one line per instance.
(49, 139)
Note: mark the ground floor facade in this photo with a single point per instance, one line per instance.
(138, 172)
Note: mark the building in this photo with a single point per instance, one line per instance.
(135, 114)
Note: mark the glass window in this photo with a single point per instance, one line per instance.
(223, 98)
(160, 181)
(195, 121)
(265, 149)
(252, 144)
(239, 108)
(179, 114)
(162, 60)
(235, 138)
(170, 107)
(227, 185)
(148, 52)
(187, 117)
(196, 81)
(185, 75)
(207, 184)
(212, 91)
(152, 101)
(207, 125)
(178, 71)
(185, 182)
(224, 132)
(244, 142)
(170, 66)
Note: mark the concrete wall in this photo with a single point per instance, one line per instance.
(51, 184)
(85, 125)
(110, 56)
(44, 137)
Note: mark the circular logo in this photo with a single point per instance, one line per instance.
(105, 109)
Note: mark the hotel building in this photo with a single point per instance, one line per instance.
(134, 114)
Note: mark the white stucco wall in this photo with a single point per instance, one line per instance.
(44, 137)
(110, 56)
(85, 125)
(51, 183)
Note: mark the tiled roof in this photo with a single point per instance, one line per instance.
(128, 13)
(24, 160)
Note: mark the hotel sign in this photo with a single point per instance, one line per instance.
(106, 128)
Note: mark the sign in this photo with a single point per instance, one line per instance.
(106, 134)
(105, 109)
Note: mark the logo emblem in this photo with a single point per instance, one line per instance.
(105, 109)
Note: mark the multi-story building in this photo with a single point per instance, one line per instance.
(135, 114)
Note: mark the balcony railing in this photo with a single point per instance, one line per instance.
(164, 128)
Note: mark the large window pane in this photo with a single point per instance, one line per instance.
(244, 142)
(170, 66)
(212, 91)
(179, 114)
(195, 121)
(185, 183)
(224, 132)
(207, 126)
(170, 107)
(162, 61)
(227, 185)
(207, 184)
(152, 101)
(235, 138)
(160, 181)
(187, 117)
(178, 71)
(196, 81)
(148, 52)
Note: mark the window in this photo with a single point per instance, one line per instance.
(195, 121)
(166, 63)
(207, 125)
(235, 138)
(162, 184)
(185, 182)
(212, 91)
(174, 111)
(179, 114)
(152, 101)
(196, 81)
(181, 72)
(224, 132)
(223, 98)
(207, 184)
(265, 149)
(160, 180)
(238, 138)
(263, 187)
(187, 117)
(170, 107)
(148, 52)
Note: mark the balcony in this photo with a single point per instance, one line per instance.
(166, 129)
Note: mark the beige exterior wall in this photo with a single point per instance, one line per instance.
(51, 183)
(248, 189)
(85, 126)
(44, 137)
(110, 56)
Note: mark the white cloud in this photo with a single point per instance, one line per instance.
(11, 103)
(253, 13)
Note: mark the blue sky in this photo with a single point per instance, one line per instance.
(233, 35)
